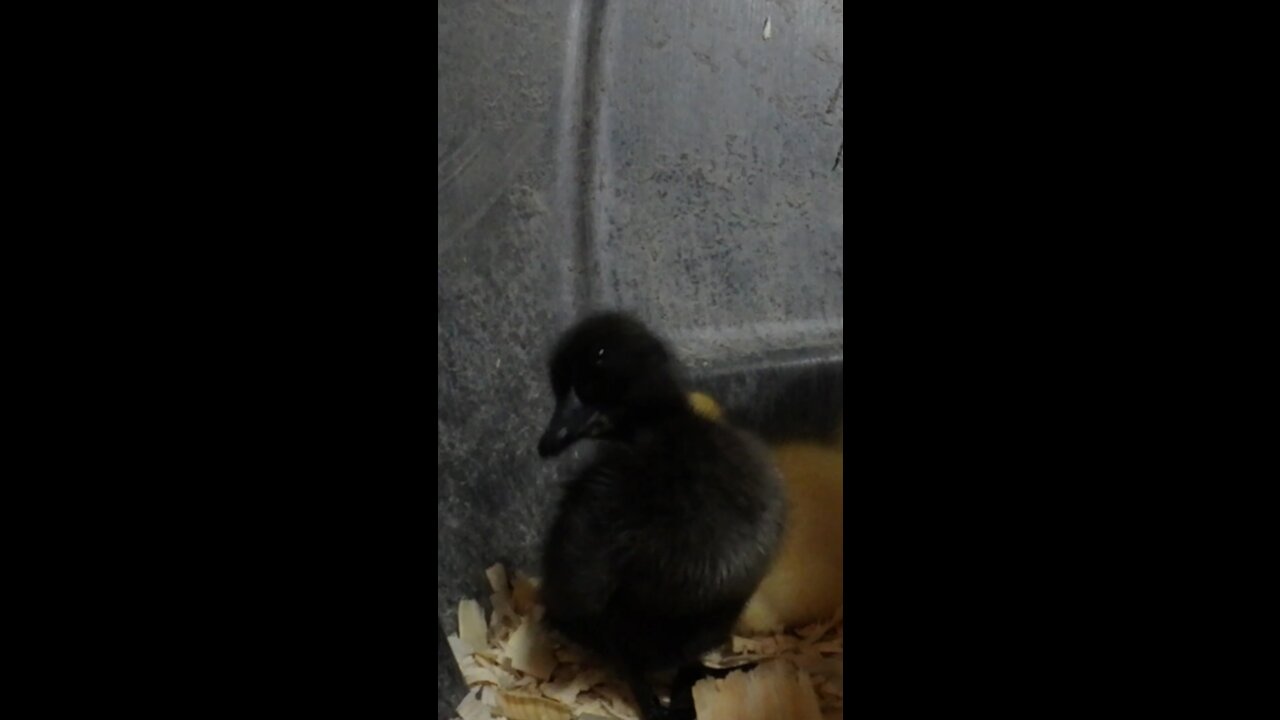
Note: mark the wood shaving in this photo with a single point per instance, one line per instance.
(531, 651)
(521, 672)
(504, 616)
(769, 691)
(471, 625)
(497, 575)
(524, 594)
(523, 706)
(472, 671)
(472, 708)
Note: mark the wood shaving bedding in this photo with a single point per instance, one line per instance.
(515, 669)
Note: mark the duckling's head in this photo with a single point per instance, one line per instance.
(609, 374)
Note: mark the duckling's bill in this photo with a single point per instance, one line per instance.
(571, 422)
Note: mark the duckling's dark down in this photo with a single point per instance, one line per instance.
(660, 541)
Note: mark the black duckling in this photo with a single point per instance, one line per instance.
(660, 541)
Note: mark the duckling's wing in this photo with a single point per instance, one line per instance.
(580, 556)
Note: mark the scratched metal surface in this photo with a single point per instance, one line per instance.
(667, 158)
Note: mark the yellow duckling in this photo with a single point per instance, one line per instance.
(806, 582)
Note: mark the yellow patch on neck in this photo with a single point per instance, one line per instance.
(705, 407)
